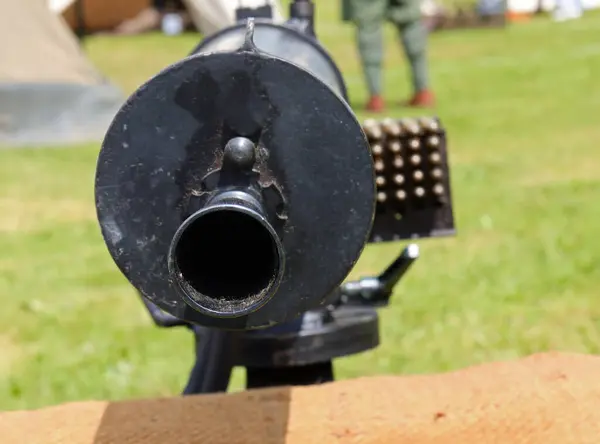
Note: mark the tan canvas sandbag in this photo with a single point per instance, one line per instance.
(544, 399)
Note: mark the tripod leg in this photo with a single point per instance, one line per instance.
(300, 375)
(212, 369)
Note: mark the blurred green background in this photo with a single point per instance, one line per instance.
(521, 107)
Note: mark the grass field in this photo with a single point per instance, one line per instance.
(522, 109)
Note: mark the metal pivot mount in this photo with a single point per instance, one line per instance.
(235, 190)
(349, 325)
(298, 352)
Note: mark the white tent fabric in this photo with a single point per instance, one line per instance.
(210, 16)
(42, 48)
(531, 6)
(59, 6)
(50, 93)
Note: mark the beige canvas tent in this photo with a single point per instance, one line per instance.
(49, 91)
(210, 16)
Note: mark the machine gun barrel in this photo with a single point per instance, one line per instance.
(235, 190)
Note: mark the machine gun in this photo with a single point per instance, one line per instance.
(236, 190)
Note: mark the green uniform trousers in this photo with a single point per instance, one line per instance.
(369, 17)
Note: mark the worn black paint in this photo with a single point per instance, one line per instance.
(170, 135)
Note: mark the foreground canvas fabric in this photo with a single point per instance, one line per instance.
(551, 398)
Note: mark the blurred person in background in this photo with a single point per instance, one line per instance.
(369, 17)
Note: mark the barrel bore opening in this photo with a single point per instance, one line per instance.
(227, 255)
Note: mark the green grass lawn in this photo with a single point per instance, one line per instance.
(522, 109)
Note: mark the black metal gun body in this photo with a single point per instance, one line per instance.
(235, 189)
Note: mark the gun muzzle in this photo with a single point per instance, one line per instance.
(227, 258)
